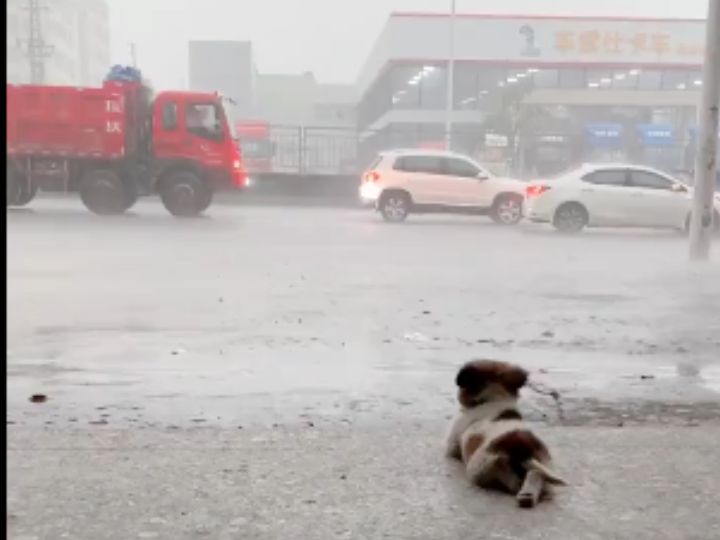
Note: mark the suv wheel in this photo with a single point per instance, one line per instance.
(395, 206)
(507, 210)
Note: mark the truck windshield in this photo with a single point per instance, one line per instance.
(230, 122)
(205, 120)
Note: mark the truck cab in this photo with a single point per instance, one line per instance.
(192, 137)
(192, 129)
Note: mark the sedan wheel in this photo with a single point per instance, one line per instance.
(571, 218)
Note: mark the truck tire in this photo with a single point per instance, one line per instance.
(184, 194)
(13, 185)
(206, 200)
(104, 193)
(26, 193)
(132, 198)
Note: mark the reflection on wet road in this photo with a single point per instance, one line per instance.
(288, 315)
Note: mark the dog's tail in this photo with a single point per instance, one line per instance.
(549, 476)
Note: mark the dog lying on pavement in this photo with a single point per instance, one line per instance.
(490, 437)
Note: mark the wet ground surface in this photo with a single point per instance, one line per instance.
(269, 371)
(287, 316)
(646, 483)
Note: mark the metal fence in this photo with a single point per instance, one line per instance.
(310, 151)
(314, 151)
(318, 151)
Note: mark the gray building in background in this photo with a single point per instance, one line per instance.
(293, 124)
(227, 67)
(299, 100)
(312, 124)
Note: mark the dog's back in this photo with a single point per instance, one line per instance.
(491, 438)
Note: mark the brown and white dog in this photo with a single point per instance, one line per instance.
(490, 437)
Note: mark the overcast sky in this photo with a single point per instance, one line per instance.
(331, 38)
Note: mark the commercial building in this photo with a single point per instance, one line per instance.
(553, 88)
(78, 32)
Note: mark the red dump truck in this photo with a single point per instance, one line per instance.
(119, 142)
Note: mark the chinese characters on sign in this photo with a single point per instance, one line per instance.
(664, 134)
(606, 133)
(616, 43)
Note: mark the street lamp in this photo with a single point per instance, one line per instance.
(450, 88)
(701, 218)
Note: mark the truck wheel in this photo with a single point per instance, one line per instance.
(206, 201)
(132, 198)
(104, 193)
(13, 185)
(26, 193)
(184, 194)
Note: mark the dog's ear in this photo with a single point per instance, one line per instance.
(471, 376)
(512, 377)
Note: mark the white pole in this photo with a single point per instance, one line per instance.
(450, 89)
(701, 222)
(133, 54)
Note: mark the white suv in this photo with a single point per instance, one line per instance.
(401, 182)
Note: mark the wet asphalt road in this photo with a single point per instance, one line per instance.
(281, 316)
(268, 371)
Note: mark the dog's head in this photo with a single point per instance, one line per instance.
(482, 381)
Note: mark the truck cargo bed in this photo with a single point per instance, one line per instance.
(66, 121)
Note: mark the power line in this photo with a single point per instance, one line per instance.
(34, 47)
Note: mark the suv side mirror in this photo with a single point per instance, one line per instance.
(679, 188)
(482, 175)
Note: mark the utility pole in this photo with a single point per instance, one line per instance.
(133, 54)
(34, 47)
(450, 89)
(701, 220)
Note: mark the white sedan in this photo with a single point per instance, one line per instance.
(611, 195)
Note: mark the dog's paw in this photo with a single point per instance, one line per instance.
(527, 500)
